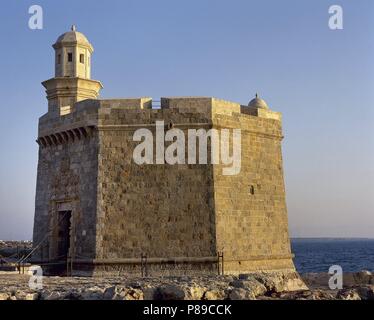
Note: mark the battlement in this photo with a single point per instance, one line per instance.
(140, 112)
(204, 105)
(209, 106)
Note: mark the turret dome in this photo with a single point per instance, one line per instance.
(258, 103)
(73, 37)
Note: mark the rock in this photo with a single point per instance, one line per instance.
(366, 292)
(170, 292)
(23, 295)
(93, 293)
(185, 278)
(241, 294)
(348, 294)
(363, 277)
(194, 292)
(150, 293)
(320, 295)
(214, 294)
(4, 296)
(293, 283)
(267, 280)
(54, 295)
(256, 285)
(134, 284)
(227, 278)
(71, 295)
(32, 296)
(110, 293)
(118, 293)
(281, 281)
(250, 284)
(320, 280)
(350, 279)
(133, 294)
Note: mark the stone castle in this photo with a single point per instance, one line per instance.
(97, 211)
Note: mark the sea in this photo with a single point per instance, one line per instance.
(318, 254)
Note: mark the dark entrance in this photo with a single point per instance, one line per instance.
(63, 243)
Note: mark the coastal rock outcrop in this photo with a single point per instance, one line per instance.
(258, 285)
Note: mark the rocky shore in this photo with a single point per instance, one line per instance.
(12, 250)
(261, 286)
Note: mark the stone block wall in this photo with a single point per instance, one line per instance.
(163, 211)
(251, 214)
(66, 180)
(179, 216)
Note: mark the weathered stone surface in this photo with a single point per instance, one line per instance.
(348, 294)
(133, 294)
(241, 294)
(4, 296)
(320, 295)
(53, 295)
(214, 294)
(366, 292)
(32, 296)
(110, 293)
(150, 293)
(94, 293)
(281, 281)
(194, 292)
(350, 279)
(357, 278)
(20, 295)
(118, 293)
(316, 279)
(249, 286)
(170, 292)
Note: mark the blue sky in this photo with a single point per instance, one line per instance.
(321, 80)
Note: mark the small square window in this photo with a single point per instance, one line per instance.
(64, 110)
(81, 58)
(70, 57)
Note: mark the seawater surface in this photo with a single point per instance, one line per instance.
(318, 254)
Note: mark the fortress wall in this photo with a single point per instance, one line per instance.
(252, 229)
(85, 114)
(123, 210)
(188, 104)
(128, 103)
(67, 176)
(159, 210)
(228, 108)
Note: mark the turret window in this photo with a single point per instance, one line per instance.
(81, 58)
(70, 57)
(59, 58)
